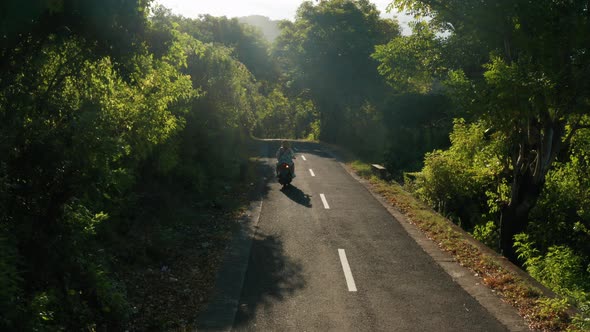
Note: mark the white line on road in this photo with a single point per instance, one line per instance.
(303, 157)
(347, 273)
(311, 171)
(326, 206)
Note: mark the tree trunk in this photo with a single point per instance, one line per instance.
(511, 224)
(526, 190)
(531, 163)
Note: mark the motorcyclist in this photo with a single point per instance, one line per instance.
(286, 155)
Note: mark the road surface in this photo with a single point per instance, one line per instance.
(327, 256)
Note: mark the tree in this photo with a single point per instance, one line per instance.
(246, 42)
(412, 64)
(418, 114)
(92, 119)
(534, 89)
(330, 45)
(280, 116)
(26, 26)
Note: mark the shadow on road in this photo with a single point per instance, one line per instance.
(271, 277)
(297, 195)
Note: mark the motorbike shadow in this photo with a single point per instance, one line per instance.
(297, 195)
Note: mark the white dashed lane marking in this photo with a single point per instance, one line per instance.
(323, 197)
(347, 273)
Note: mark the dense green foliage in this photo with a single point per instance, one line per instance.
(418, 121)
(108, 107)
(462, 181)
(105, 111)
(325, 54)
(247, 43)
(516, 74)
(280, 116)
(418, 114)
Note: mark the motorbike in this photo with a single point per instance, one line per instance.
(284, 174)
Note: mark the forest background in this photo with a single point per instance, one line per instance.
(111, 110)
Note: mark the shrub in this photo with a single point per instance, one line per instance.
(464, 181)
(488, 234)
(560, 269)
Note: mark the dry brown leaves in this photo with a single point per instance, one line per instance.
(170, 294)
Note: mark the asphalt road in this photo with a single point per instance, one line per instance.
(296, 278)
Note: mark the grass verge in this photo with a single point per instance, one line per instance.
(540, 311)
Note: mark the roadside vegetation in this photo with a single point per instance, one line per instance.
(540, 311)
(125, 129)
(125, 147)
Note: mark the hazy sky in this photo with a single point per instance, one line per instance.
(275, 9)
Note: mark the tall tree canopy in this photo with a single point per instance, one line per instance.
(329, 51)
(99, 106)
(533, 88)
(246, 42)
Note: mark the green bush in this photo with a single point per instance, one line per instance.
(460, 181)
(560, 269)
(562, 214)
(488, 234)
